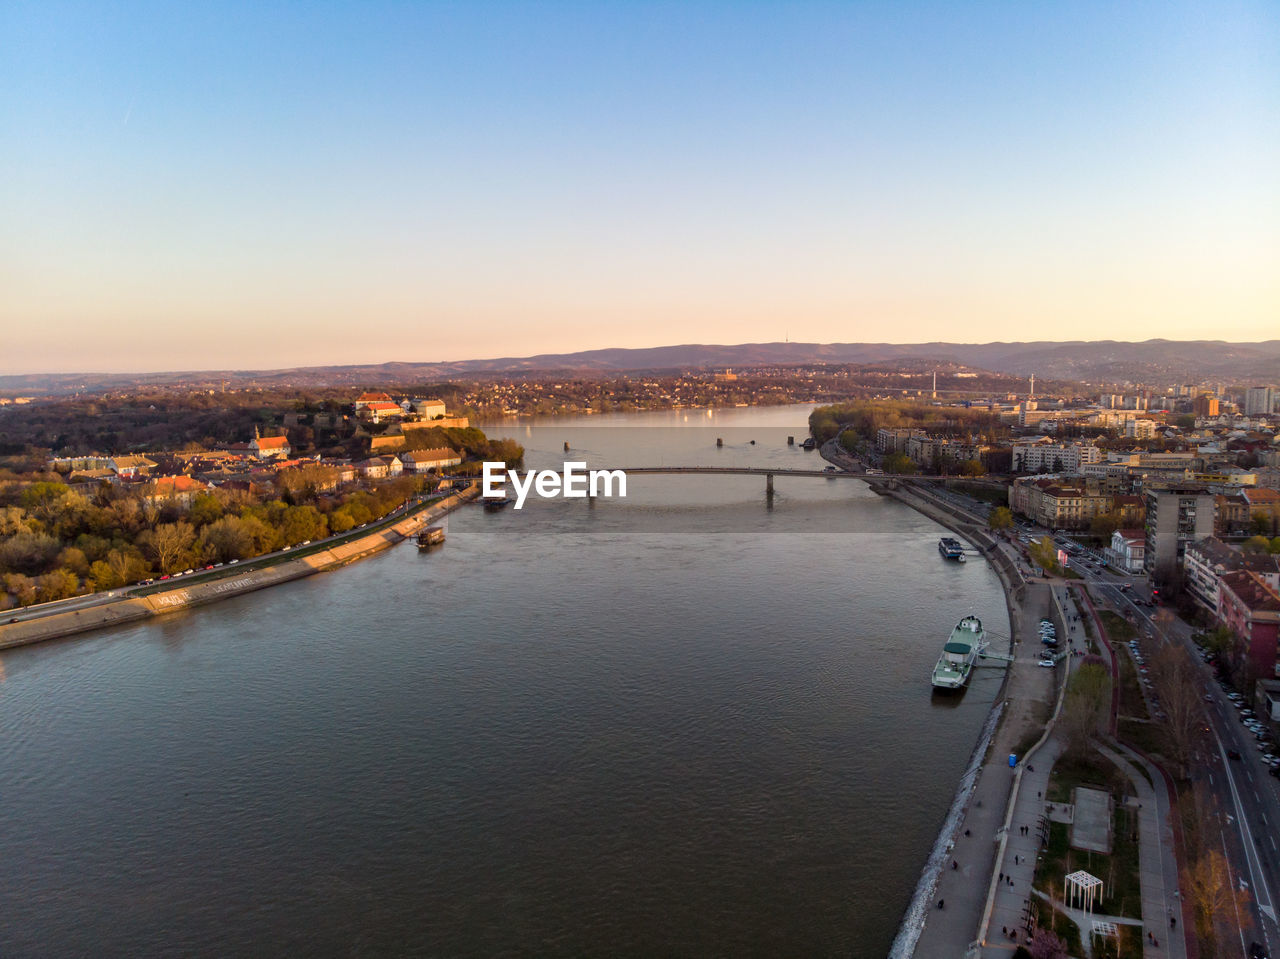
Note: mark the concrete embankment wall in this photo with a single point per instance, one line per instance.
(134, 608)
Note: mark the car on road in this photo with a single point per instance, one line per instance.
(1046, 662)
(1233, 754)
(1256, 951)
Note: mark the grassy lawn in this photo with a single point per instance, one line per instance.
(1092, 771)
(1147, 737)
(1131, 942)
(1131, 702)
(1118, 871)
(1118, 628)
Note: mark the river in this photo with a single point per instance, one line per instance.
(688, 722)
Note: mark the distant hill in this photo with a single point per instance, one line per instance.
(1151, 361)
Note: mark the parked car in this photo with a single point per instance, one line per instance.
(1046, 662)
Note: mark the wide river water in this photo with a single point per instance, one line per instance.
(680, 724)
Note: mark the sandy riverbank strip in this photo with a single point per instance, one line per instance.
(130, 609)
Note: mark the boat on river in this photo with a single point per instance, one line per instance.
(963, 646)
(431, 536)
(951, 548)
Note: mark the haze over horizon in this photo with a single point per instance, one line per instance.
(254, 188)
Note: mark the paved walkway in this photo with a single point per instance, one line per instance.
(1157, 863)
(963, 890)
(992, 856)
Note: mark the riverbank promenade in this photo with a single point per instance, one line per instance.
(982, 902)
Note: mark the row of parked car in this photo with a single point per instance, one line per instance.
(1261, 734)
(1049, 637)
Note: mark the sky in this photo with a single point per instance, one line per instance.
(275, 184)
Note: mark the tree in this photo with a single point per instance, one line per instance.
(1214, 896)
(972, 468)
(340, 521)
(28, 553)
(1174, 677)
(301, 523)
(128, 565)
(1103, 525)
(205, 509)
(898, 463)
(21, 588)
(1045, 555)
(1256, 544)
(58, 584)
(1085, 705)
(1000, 519)
(849, 441)
(74, 560)
(170, 544)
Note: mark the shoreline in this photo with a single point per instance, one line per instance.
(1005, 722)
(137, 608)
(915, 917)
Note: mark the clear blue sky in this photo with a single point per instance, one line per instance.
(278, 184)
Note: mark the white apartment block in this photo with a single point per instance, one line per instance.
(1054, 457)
(1140, 429)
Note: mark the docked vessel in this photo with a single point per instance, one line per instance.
(431, 536)
(966, 643)
(951, 548)
(493, 505)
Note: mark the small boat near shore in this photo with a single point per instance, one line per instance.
(431, 536)
(951, 548)
(493, 505)
(963, 646)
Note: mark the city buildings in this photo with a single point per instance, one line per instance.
(1251, 610)
(1127, 550)
(1206, 561)
(1261, 400)
(1176, 516)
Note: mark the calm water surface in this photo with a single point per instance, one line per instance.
(679, 724)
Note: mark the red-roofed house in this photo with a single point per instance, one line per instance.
(364, 399)
(173, 491)
(379, 411)
(270, 447)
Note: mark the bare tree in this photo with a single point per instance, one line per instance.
(1217, 900)
(1084, 707)
(169, 543)
(1174, 677)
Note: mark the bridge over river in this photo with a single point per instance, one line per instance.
(877, 480)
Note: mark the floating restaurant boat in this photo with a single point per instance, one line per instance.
(492, 505)
(951, 548)
(966, 643)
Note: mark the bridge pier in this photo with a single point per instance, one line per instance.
(768, 484)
